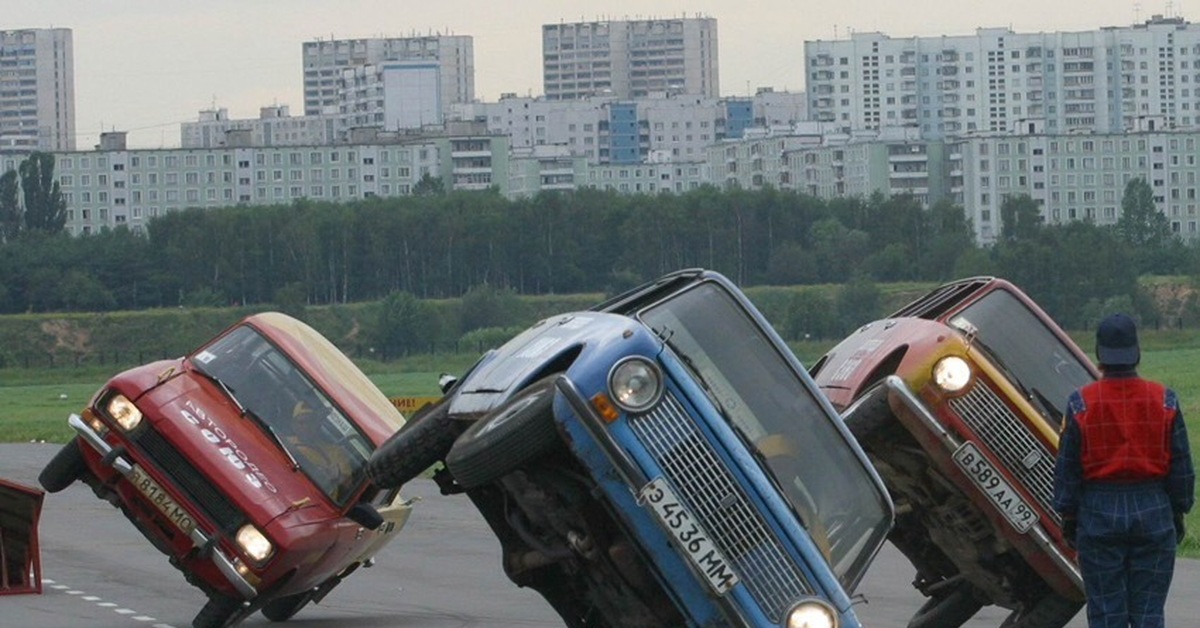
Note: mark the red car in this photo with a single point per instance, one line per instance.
(244, 462)
(957, 399)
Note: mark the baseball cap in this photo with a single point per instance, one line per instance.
(1117, 341)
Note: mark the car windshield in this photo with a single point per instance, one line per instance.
(1043, 365)
(272, 391)
(763, 397)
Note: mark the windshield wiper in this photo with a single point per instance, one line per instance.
(245, 412)
(270, 430)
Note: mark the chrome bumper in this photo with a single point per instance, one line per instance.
(1036, 532)
(199, 539)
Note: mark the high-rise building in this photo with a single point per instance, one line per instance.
(37, 89)
(630, 58)
(1106, 80)
(325, 60)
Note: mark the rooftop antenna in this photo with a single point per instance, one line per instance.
(1137, 12)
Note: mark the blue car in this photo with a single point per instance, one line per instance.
(661, 459)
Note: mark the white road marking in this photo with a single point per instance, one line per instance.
(128, 612)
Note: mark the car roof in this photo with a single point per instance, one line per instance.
(332, 371)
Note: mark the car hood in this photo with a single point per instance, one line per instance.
(232, 451)
(526, 356)
(876, 349)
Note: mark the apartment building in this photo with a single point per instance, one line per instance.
(605, 129)
(860, 169)
(544, 169)
(37, 89)
(114, 186)
(1079, 177)
(274, 126)
(652, 177)
(452, 56)
(630, 58)
(997, 80)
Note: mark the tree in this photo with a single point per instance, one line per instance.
(45, 208)
(429, 185)
(1147, 230)
(858, 302)
(404, 323)
(1019, 218)
(78, 291)
(488, 306)
(1141, 224)
(291, 299)
(950, 239)
(10, 208)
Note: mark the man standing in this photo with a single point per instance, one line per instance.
(1123, 481)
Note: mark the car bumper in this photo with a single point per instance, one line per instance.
(899, 391)
(114, 458)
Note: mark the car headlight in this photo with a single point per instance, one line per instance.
(253, 543)
(951, 374)
(122, 410)
(811, 614)
(635, 384)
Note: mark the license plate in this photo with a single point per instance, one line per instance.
(688, 535)
(984, 475)
(161, 500)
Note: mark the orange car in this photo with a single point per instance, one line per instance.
(957, 399)
(244, 462)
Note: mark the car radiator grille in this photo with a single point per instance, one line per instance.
(189, 480)
(704, 483)
(1002, 431)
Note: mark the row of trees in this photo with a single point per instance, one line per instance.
(443, 245)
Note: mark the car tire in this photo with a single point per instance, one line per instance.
(950, 607)
(519, 431)
(286, 607)
(64, 468)
(1051, 611)
(421, 443)
(220, 611)
(870, 415)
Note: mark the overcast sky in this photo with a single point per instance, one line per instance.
(144, 66)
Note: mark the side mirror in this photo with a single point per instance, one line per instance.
(365, 515)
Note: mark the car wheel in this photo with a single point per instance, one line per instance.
(1051, 611)
(949, 607)
(519, 431)
(871, 415)
(284, 608)
(219, 612)
(420, 444)
(64, 468)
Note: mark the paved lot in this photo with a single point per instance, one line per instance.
(442, 571)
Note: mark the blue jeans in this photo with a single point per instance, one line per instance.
(1126, 544)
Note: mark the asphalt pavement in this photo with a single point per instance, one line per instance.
(443, 570)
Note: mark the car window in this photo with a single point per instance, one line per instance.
(313, 432)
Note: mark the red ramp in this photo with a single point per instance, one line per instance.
(20, 556)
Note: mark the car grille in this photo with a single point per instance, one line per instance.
(186, 478)
(704, 483)
(1003, 432)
